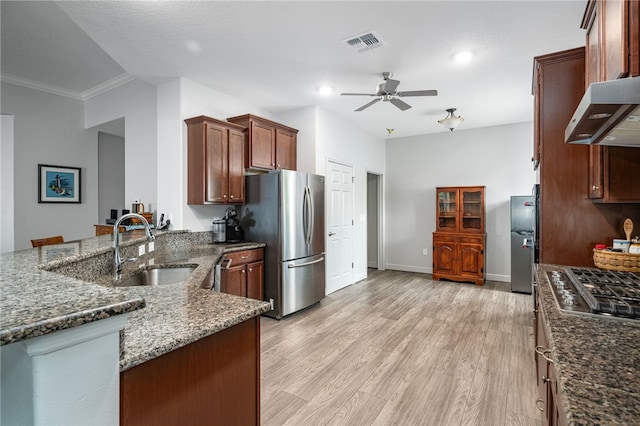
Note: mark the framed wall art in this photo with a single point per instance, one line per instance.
(58, 184)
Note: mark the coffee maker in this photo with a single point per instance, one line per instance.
(233, 231)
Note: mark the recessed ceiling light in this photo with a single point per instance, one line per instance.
(325, 90)
(193, 46)
(463, 57)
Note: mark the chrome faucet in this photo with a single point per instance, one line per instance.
(117, 260)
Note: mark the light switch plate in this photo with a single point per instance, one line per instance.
(141, 250)
(152, 246)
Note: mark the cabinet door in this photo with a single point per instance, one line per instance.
(472, 210)
(447, 209)
(542, 366)
(471, 260)
(235, 279)
(262, 147)
(615, 38)
(236, 166)
(286, 150)
(255, 280)
(216, 164)
(444, 257)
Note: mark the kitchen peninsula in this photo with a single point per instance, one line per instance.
(57, 290)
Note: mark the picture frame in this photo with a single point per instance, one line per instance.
(59, 184)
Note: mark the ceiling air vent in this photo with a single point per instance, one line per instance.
(364, 42)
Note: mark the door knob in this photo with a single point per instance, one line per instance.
(331, 234)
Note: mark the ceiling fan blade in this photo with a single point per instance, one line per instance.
(400, 104)
(369, 104)
(389, 86)
(418, 93)
(358, 94)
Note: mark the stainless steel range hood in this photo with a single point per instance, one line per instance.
(608, 114)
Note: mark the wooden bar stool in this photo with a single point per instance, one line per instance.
(47, 241)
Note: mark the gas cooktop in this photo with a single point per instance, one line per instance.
(597, 292)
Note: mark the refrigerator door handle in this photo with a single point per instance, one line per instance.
(300, 265)
(312, 216)
(307, 215)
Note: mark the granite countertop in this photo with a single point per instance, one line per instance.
(597, 362)
(52, 288)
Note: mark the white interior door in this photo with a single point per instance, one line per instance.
(339, 226)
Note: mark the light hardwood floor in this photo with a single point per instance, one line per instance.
(401, 349)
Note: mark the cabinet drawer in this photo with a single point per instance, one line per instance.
(245, 256)
(471, 239)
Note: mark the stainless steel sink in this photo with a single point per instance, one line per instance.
(158, 276)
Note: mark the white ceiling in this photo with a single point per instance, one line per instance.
(275, 54)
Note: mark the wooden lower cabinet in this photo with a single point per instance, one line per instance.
(548, 401)
(244, 274)
(213, 381)
(458, 257)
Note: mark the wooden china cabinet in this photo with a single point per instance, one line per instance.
(459, 239)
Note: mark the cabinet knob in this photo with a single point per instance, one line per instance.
(278, 165)
(595, 188)
(224, 196)
(545, 379)
(231, 196)
(242, 271)
(250, 269)
(538, 406)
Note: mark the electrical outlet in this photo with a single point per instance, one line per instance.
(425, 252)
(152, 246)
(141, 250)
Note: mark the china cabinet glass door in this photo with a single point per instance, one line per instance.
(447, 209)
(472, 210)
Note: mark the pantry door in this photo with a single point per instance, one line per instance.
(339, 182)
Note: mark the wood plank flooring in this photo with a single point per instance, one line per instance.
(401, 349)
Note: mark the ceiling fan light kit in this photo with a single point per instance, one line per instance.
(386, 91)
(451, 121)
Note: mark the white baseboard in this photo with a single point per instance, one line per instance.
(409, 268)
(427, 270)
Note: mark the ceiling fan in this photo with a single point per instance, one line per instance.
(386, 91)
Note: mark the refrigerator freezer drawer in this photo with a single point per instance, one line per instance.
(302, 283)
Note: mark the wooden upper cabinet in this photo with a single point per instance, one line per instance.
(215, 161)
(611, 46)
(271, 145)
(286, 149)
(613, 39)
(460, 209)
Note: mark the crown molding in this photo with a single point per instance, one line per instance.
(41, 87)
(101, 88)
(79, 96)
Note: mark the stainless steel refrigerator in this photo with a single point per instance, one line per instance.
(522, 243)
(285, 210)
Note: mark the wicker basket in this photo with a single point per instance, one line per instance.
(615, 261)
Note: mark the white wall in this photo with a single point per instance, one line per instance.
(49, 129)
(6, 187)
(339, 140)
(136, 102)
(496, 157)
(110, 176)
